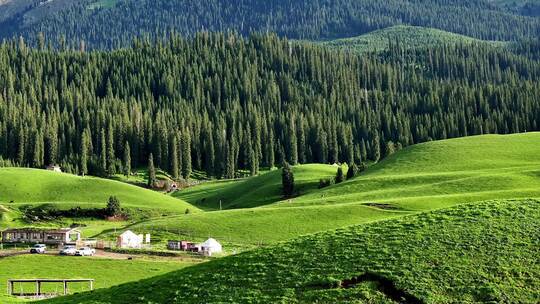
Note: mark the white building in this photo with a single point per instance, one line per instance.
(210, 247)
(129, 240)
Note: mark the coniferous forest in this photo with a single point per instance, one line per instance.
(116, 25)
(222, 102)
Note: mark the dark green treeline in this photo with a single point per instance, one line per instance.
(220, 102)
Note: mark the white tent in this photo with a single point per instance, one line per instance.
(210, 246)
(129, 239)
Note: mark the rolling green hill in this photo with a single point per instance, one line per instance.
(419, 178)
(484, 252)
(256, 191)
(408, 37)
(22, 187)
(442, 173)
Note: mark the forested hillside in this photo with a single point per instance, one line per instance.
(114, 23)
(221, 102)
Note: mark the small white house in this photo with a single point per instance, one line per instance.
(210, 247)
(129, 240)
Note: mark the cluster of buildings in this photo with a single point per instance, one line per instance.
(126, 240)
(208, 247)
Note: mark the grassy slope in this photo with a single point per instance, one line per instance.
(443, 173)
(30, 186)
(408, 36)
(253, 192)
(36, 187)
(484, 252)
(106, 272)
(423, 177)
(241, 229)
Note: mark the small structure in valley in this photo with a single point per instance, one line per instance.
(54, 168)
(130, 240)
(40, 235)
(210, 247)
(207, 248)
(182, 245)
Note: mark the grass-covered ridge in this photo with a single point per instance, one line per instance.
(408, 37)
(443, 173)
(30, 186)
(256, 191)
(483, 252)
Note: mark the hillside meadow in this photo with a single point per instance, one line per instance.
(32, 186)
(443, 256)
(443, 173)
(406, 36)
(256, 191)
(105, 272)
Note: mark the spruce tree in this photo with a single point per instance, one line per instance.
(84, 154)
(111, 159)
(127, 160)
(352, 171)
(186, 154)
(174, 159)
(151, 172)
(287, 180)
(339, 175)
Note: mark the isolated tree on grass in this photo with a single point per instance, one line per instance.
(352, 171)
(287, 180)
(151, 171)
(113, 206)
(339, 175)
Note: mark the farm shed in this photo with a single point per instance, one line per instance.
(182, 245)
(129, 239)
(45, 236)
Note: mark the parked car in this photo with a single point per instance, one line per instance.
(85, 251)
(38, 248)
(68, 250)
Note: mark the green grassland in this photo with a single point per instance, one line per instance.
(20, 187)
(30, 186)
(409, 37)
(443, 173)
(246, 228)
(256, 191)
(419, 178)
(106, 272)
(484, 252)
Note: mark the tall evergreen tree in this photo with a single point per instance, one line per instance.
(127, 160)
(151, 172)
(287, 180)
(186, 154)
(174, 158)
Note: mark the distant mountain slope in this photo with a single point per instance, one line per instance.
(477, 253)
(112, 23)
(408, 37)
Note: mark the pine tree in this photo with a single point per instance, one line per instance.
(103, 153)
(111, 159)
(339, 175)
(174, 158)
(186, 154)
(151, 172)
(127, 160)
(352, 171)
(84, 154)
(287, 180)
